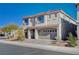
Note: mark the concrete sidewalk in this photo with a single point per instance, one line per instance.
(45, 47)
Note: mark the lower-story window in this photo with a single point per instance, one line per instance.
(50, 30)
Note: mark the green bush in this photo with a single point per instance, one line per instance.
(72, 40)
(20, 35)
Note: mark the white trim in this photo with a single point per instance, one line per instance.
(71, 19)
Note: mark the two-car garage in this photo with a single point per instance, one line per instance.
(47, 33)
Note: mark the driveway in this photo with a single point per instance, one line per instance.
(7, 49)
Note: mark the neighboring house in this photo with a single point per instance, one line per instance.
(77, 5)
(8, 35)
(3, 35)
(12, 35)
(49, 25)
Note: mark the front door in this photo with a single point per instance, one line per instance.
(32, 34)
(26, 33)
(53, 34)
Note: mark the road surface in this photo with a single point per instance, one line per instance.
(7, 49)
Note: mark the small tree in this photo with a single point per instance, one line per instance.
(10, 27)
(72, 40)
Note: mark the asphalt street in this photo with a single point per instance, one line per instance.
(7, 49)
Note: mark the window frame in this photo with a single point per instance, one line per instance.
(40, 19)
(26, 21)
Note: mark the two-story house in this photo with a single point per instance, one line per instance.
(52, 25)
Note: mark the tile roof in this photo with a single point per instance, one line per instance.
(43, 13)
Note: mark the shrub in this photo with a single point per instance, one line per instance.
(20, 35)
(72, 40)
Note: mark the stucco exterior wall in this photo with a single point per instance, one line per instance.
(53, 20)
(66, 28)
(67, 25)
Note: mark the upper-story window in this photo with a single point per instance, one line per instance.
(27, 21)
(41, 19)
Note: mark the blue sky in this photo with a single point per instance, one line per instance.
(13, 13)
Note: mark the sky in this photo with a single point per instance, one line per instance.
(14, 12)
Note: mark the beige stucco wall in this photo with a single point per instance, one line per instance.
(53, 20)
(67, 24)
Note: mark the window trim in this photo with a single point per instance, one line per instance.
(26, 21)
(40, 20)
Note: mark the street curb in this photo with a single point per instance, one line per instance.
(44, 47)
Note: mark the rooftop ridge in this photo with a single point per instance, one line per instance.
(42, 13)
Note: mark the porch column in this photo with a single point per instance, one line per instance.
(59, 32)
(29, 34)
(36, 34)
